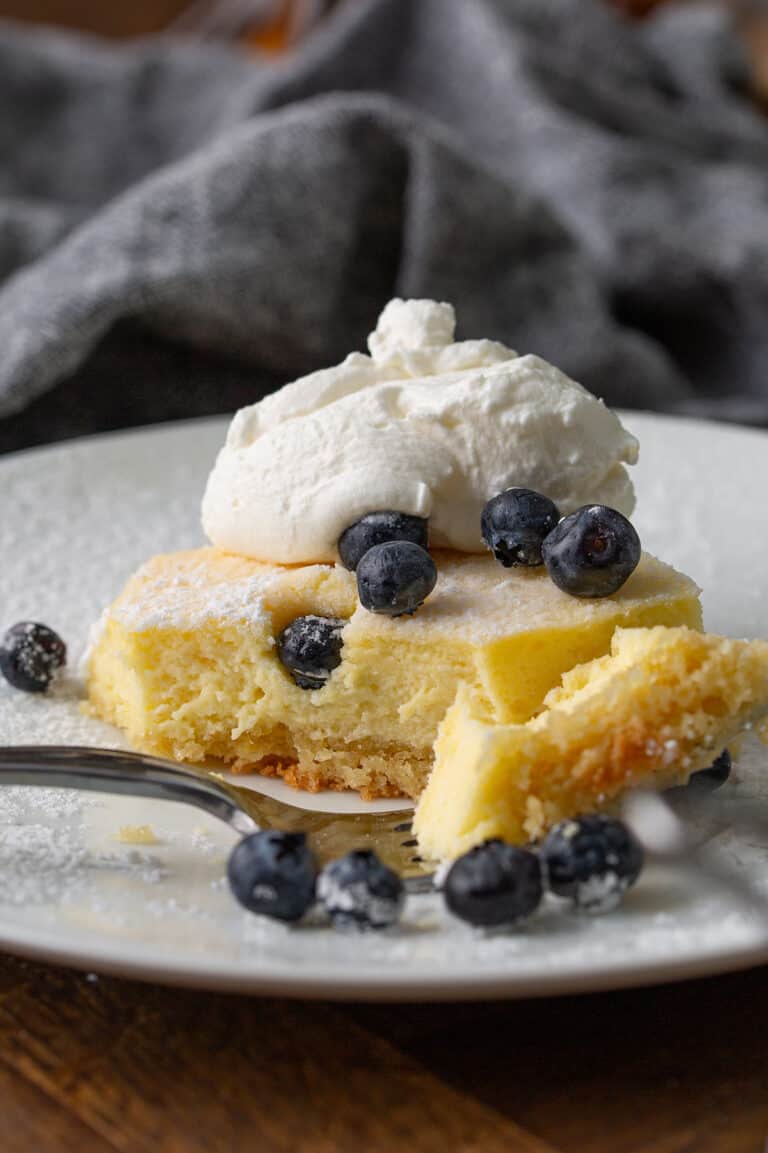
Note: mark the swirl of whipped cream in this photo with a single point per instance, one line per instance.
(424, 426)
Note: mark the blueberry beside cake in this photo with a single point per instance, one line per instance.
(421, 563)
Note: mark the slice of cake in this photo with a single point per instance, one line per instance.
(433, 533)
(187, 661)
(664, 703)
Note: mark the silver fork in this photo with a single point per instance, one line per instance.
(244, 810)
(658, 822)
(661, 822)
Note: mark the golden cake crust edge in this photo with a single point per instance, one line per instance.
(663, 704)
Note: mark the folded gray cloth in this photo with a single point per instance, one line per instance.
(185, 226)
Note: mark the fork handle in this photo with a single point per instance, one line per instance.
(117, 771)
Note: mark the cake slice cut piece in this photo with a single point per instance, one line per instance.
(664, 703)
(187, 663)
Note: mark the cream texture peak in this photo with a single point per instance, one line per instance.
(423, 425)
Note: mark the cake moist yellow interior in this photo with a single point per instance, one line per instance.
(186, 661)
(664, 703)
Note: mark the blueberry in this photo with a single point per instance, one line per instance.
(494, 884)
(592, 861)
(715, 776)
(310, 648)
(514, 525)
(359, 892)
(378, 528)
(273, 873)
(592, 552)
(395, 578)
(30, 655)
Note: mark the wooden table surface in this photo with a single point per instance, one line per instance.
(94, 1065)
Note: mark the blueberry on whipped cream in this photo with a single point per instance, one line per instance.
(273, 873)
(493, 885)
(591, 861)
(378, 528)
(514, 524)
(360, 892)
(30, 656)
(592, 552)
(395, 578)
(422, 424)
(310, 648)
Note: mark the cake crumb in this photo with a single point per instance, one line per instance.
(137, 835)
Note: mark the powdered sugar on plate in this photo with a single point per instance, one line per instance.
(79, 519)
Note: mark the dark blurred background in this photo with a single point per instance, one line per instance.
(200, 201)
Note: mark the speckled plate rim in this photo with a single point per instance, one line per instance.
(385, 982)
(380, 983)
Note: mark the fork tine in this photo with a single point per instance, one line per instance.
(244, 809)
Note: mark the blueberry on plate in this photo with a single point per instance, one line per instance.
(515, 523)
(310, 648)
(378, 528)
(715, 776)
(273, 873)
(30, 656)
(494, 884)
(395, 578)
(591, 861)
(360, 892)
(592, 552)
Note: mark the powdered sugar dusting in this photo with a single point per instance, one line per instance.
(55, 718)
(189, 598)
(78, 520)
(44, 854)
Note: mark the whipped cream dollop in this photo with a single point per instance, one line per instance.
(424, 425)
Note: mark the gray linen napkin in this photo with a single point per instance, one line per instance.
(183, 227)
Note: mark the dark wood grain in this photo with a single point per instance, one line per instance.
(682, 1067)
(31, 1121)
(170, 1070)
(110, 1065)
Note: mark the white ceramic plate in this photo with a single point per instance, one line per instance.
(78, 518)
